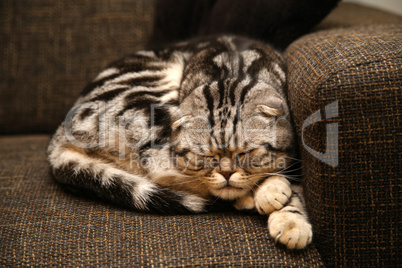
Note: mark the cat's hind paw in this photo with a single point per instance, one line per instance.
(290, 228)
(272, 194)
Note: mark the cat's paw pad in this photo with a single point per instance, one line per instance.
(290, 228)
(272, 195)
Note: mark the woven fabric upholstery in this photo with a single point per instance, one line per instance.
(51, 49)
(348, 15)
(354, 207)
(41, 225)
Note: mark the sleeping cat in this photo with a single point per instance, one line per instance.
(173, 129)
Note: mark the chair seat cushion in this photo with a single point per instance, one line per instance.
(42, 225)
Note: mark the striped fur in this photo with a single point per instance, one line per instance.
(171, 130)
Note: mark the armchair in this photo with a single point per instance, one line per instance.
(348, 69)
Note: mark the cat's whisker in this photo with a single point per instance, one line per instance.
(292, 165)
(189, 181)
(291, 172)
(215, 200)
(293, 158)
(291, 177)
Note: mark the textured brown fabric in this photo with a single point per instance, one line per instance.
(41, 225)
(351, 15)
(50, 49)
(354, 207)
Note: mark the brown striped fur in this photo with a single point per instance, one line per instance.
(172, 130)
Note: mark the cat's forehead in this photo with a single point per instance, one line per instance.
(231, 66)
(223, 103)
(241, 60)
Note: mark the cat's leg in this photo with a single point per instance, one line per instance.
(290, 225)
(94, 177)
(272, 194)
(245, 202)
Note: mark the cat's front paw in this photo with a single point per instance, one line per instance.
(290, 228)
(272, 194)
(245, 203)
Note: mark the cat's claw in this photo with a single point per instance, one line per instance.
(272, 194)
(290, 229)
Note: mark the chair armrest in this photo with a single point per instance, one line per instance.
(345, 93)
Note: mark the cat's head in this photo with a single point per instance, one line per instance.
(232, 128)
(231, 143)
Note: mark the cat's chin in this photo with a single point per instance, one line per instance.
(229, 192)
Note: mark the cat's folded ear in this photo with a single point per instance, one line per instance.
(272, 107)
(268, 111)
(180, 122)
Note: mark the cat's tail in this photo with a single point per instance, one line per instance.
(278, 22)
(93, 177)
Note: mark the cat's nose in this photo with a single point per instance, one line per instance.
(227, 175)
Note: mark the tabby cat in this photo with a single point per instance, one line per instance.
(172, 129)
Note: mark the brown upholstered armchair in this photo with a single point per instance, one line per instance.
(345, 83)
